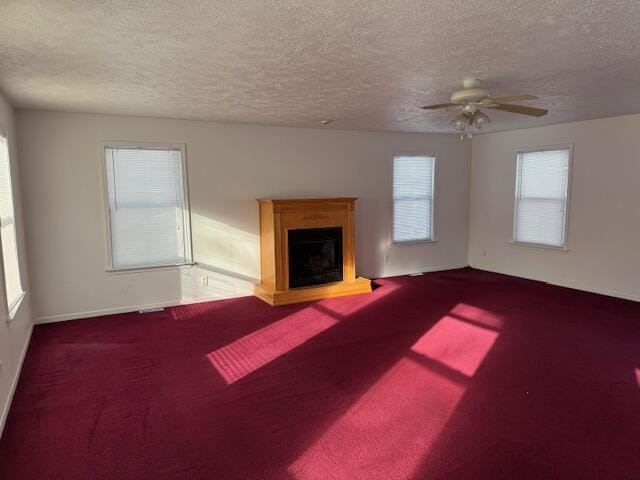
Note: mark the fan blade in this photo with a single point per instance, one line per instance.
(438, 105)
(521, 109)
(512, 98)
(452, 106)
(411, 118)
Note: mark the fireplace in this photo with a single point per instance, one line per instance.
(315, 256)
(307, 250)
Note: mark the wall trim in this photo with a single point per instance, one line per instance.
(127, 309)
(16, 379)
(438, 268)
(572, 285)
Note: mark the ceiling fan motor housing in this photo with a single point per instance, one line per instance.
(469, 95)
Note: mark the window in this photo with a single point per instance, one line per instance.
(542, 183)
(8, 240)
(413, 192)
(148, 211)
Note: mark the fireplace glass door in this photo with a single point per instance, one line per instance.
(315, 256)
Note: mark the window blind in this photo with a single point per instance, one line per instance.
(148, 219)
(541, 197)
(12, 284)
(413, 178)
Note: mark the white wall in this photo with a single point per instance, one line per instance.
(14, 333)
(604, 217)
(229, 167)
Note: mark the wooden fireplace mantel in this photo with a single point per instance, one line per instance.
(277, 217)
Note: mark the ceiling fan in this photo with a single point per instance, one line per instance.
(471, 98)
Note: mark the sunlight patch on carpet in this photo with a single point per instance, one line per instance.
(390, 429)
(459, 345)
(251, 352)
(386, 433)
(342, 309)
(464, 311)
(247, 354)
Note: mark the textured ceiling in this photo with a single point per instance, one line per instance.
(366, 64)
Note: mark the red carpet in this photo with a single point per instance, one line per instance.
(455, 375)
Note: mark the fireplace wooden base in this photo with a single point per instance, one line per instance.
(316, 292)
(277, 218)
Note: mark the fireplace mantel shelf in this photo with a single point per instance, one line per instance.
(277, 218)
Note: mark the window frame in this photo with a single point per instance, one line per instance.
(11, 307)
(565, 246)
(434, 238)
(103, 145)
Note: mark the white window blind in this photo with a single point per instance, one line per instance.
(413, 190)
(13, 287)
(541, 197)
(148, 215)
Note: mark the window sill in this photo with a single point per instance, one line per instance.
(13, 310)
(414, 242)
(540, 245)
(123, 271)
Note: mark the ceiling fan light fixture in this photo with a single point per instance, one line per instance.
(480, 120)
(461, 122)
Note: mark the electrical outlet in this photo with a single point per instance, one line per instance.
(386, 259)
(205, 281)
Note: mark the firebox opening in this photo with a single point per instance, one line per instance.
(315, 256)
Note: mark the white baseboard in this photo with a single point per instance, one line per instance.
(443, 268)
(14, 383)
(599, 291)
(438, 268)
(113, 311)
(572, 285)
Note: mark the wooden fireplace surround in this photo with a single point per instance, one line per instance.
(277, 217)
